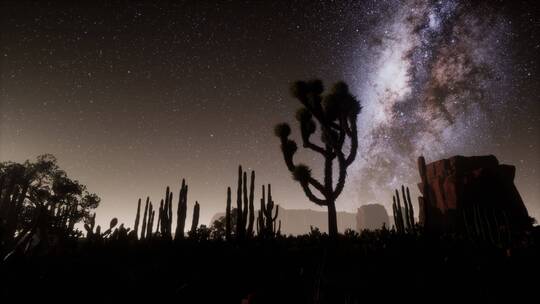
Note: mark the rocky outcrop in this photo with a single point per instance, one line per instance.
(371, 216)
(298, 221)
(460, 192)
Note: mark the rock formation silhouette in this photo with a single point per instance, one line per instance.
(371, 216)
(299, 221)
(460, 194)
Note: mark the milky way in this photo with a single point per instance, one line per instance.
(435, 74)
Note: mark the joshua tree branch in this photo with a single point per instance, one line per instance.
(342, 175)
(317, 185)
(314, 147)
(354, 145)
(311, 196)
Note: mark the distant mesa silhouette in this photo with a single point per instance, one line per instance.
(371, 217)
(298, 221)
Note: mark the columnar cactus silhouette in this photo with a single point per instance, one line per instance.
(145, 218)
(335, 113)
(240, 230)
(195, 220)
(160, 214)
(137, 219)
(245, 208)
(165, 215)
(228, 215)
(251, 218)
(403, 217)
(266, 222)
(181, 211)
(150, 222)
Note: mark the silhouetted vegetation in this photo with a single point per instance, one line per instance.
(243, 257)
(303, 269)
(40, 205)
(403, 217)
(335, 113)
(266, 222)
(213, 264)
(241, 219)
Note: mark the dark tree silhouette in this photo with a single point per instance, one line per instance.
(40, 197)
(336, 114)
(219, 226)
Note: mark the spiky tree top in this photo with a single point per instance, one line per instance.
(335, 115)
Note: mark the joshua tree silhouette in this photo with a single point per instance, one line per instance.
(336, 114)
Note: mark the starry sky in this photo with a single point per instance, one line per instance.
(132, 97)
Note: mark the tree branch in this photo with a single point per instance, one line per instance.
(311, 196)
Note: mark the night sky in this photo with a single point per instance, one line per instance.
(134, 97)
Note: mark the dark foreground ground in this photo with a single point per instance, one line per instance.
(310, 269)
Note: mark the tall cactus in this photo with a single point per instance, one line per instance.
(137, 219)
(266, 221)
(228, 215)
(146, 218)
(195, 220)
(169, 216)
(181, 211)
(150, 224)
(245, 209)
(159, 225)
(403, 217)
(240, 231)
(165, 215)
(410, 214)
(251, 205)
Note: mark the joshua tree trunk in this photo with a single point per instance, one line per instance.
(332, 219)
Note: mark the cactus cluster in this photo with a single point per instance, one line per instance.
(403, 216)
(97, 235)
(245, 210)
(148, 220)
(243, 216)
(163, 228)
(164, 225)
